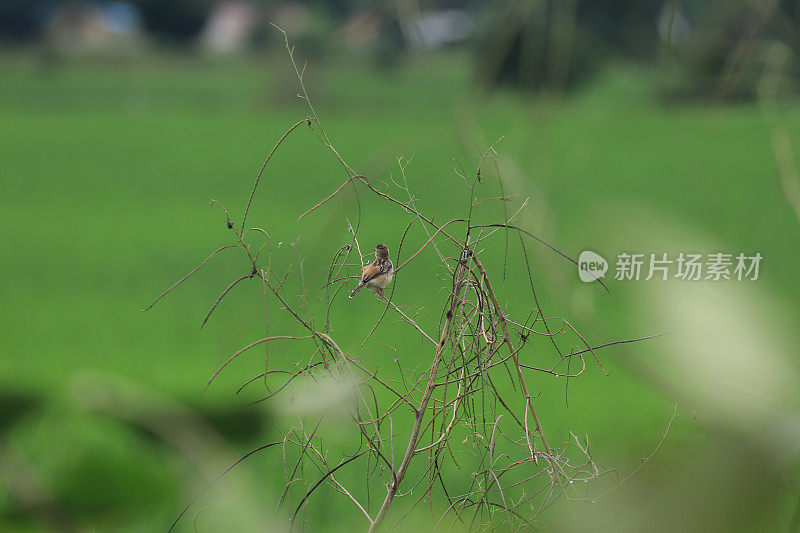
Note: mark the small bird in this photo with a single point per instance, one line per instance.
(377, 274)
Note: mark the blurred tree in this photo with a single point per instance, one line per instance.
(175, 20)
(555, 43)
(720, 47)
(728, 46)
(19, 20)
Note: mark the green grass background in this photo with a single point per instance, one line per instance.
(107, 173)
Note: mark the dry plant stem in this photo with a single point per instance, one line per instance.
(222, 296)
(411, 321)
(187, 276)
(327, 474)
(197, 496)
(541, 241)
(419, 414)
(509, 342)
(256, 343)
(264, 165)
(647, 459)
(558, 471)
(459, 388)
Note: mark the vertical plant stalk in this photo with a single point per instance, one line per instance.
(474, 329)
(419, 415)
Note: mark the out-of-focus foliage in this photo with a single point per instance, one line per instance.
(19, 20)
(176, 20)
(708, 48)
(555, 43)
(722, 49)
(714, 48)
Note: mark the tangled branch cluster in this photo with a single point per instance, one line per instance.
(506, 471)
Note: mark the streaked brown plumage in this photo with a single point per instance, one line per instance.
(377, 274)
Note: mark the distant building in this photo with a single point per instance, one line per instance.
(229, 27)
(94, 27)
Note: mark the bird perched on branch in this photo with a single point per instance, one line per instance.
(377, 274)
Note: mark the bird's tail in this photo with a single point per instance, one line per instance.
(355, 291)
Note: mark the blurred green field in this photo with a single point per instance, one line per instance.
(108, 169)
